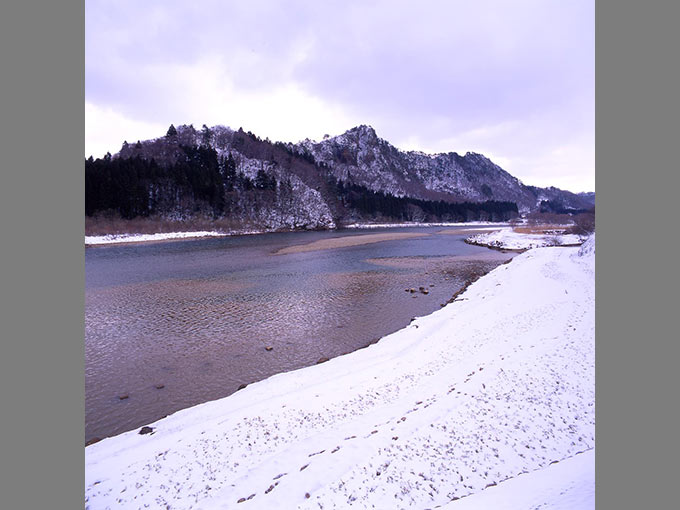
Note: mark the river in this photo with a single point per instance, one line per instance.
(173, 324)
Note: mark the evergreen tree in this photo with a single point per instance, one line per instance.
(171, 131)
(261, 180)
(206, 134)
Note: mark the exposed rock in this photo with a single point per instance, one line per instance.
(376, 164)
(301, 197)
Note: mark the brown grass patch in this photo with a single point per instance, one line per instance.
(541, 229)
(113, 224)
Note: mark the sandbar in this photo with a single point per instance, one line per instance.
(345, 241)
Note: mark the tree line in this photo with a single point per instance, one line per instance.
(372, 203)
(199, 182)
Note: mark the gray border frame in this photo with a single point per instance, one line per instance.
(636, 183)
(41, 210)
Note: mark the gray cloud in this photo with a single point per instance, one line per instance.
(428, 71)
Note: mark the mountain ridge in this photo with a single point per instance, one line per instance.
(353, 176)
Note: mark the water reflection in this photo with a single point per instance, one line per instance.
(173, 325)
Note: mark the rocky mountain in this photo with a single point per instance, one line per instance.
(588, 196)
(231, 174)
(361, 156)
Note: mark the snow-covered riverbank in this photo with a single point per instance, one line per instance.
(508, 239)
(474, 402)
(484, 224)
(141, 238)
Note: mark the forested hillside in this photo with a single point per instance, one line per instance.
(236, 178)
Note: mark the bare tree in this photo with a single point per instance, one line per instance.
(584, 223)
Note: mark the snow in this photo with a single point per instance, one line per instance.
(420, 224)
(476, 401)
(566, 485)
(136, 238)
(507, 238)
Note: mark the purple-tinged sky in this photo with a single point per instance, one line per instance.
(514, 80)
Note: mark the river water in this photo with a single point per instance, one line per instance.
(173, 324)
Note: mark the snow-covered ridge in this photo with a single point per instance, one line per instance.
(491, 390)
(360, 156)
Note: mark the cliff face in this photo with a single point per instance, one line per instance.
(361, 156)
(354, 176)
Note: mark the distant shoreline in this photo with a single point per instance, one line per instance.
(135, 238)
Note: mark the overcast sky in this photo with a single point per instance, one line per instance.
(514, 80)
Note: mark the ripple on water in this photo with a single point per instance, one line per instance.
(201, 339)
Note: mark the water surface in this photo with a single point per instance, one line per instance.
(169, 325)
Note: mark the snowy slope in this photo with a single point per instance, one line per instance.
(566, 485)
(497, 384)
